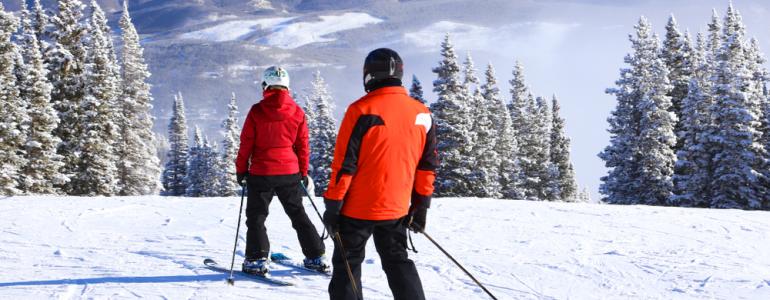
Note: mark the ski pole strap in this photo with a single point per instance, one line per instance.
(409, 234)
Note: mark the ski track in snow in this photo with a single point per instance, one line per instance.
(137, 247)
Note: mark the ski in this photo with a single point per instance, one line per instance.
(282, 259)
(212, 265)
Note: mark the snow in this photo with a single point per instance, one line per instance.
(283, 33)
(233, 30)
(131, 247)
(295, 35)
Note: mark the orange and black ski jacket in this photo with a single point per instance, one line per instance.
(385, 156)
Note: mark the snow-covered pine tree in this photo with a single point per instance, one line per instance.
(676, 54)
(693, 166)
(97, 170)
(41, 172)
(563, 185)
(14, 116)
(139, 167)
(738, 174)
(196, 169)
(229, 151)
(521, 109)
(453, 125)
(322, 131)
(584, 196)
(505, 145)
(640, 155)
(537, 147)
(714, 42)
(212, 174)
(66, 64)
(486, 175)
(760, 77)
(416, 90)
(174, 174)
(40, 22)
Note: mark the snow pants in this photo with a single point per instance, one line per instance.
(261, 190)
(390, 241)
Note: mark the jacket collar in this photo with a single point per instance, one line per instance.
(387, 90)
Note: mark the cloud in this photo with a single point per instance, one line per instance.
(538, 36)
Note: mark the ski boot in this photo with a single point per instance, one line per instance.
(317, 264)
(255, 266)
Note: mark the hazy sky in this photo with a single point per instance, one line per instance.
(575, 50)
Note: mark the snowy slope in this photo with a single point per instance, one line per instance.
(71, 248)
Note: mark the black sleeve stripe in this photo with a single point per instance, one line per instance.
(363, 124)
(429, 159)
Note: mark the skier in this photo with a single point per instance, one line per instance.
(382, 179)
(272, 159)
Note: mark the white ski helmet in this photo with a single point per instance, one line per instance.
(275, 76)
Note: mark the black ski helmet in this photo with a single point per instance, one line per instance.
(382, 63)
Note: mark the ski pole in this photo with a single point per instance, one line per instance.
(454, 260)
(314, 207)
(231, 279)
(338, 240)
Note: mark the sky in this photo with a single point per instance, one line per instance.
(573, 49)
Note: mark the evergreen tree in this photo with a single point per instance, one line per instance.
(740, 159)
(230, 151)
(760, 76)
(174, 174)
(693, 166)
(66, 60)
(453, 125)
(40, 22)
(212, 174)
(41, 172)
(563, 186)
(522, 109)
(485, 174)
(505, 145)
(96, 173)
(537, 147)
(676, 54)
(640, 154)
(139, 167)
(13, 119)
(416, 90)
(194, 180)
(322, 130)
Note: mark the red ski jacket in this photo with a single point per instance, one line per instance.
(274, 139)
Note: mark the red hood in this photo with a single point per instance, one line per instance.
(277, 105)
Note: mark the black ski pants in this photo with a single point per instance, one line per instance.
(390, 241)
(286, 187)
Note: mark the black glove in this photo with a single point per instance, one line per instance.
(332, 215)
(241, 177)
(417, 219)
(305, 181)
(418, 212)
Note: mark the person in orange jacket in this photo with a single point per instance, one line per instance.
(382, 179)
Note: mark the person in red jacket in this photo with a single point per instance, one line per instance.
(272, 159)
(382, 180)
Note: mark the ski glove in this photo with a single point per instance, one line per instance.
(305, 181)
(332, 215)
(418, 212)
(241, 177)
(417, 219)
